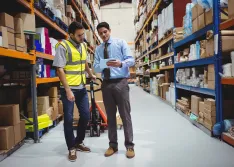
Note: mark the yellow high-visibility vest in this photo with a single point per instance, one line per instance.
(75, 67)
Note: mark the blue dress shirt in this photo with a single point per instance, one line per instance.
(117, 49)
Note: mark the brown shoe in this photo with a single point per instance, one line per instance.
(130, 153)
(72, 155)
(81, 147)
(110, 151)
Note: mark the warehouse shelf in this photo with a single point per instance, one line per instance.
(204, 91)
(85, 19)
(92, 9)
(167, 67)
(228, 138)
(16, 54)
(193, 63)
(44, 17)
(14, 81)
(163, 57)
(155, 71)
(227, 81)
(147, 21)
(227, 24)
(163, 42)
(47, 80)
(195, 123)
(44, 56)
(194, 36)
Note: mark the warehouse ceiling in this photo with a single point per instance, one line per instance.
(108, 2)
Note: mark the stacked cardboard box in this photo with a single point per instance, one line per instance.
(184, 105)
(198, 18)
(8, 39)
(201, 112)
(12, 129)
(71, 15)
(195, 104)
(209, 113)
(211, 76)
(54, 102)
(230, 8)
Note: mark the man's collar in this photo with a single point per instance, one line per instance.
(109, 41)
(73, 42)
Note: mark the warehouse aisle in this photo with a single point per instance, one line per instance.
(163, 138)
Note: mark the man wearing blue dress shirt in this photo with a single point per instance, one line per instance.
(115, 87)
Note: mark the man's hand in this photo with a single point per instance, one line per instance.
(93, 77)
(116, 63)
(70, 95)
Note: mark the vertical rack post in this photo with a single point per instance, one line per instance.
(218, 53)
(33, 85)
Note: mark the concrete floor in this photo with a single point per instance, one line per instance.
(163, 138)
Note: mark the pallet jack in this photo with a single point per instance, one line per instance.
(98, 119)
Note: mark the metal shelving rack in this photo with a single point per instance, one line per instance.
(33, 55)
(205, 61)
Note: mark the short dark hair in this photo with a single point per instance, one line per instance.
(103, 24)
(74, 26)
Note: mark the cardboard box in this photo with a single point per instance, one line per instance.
(55, 114)
(200, 10)
(195, 104)
(60, 107)
(194, 12)
(43, 104)
(230, 8)
(7, 137)
(201, 106)
(50, 111)
(167, 77)
(210, 107)
(19, 28)
(9, 115)
(17, 133)
(52, 92)
(165, 89)
(210, 47)
(7, 20)
(211, 68)
(11, 40)
(207, 125)
(101, 105)
(22, 129)
(20, 44)
(210, 121)
(227, 43)
(4, 32)
(209, 17)
(201, 21)
(29, 24)
(211, 84)
(211, 76)
(195, 25)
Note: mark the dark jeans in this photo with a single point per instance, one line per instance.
(82, 103)
(116, 94)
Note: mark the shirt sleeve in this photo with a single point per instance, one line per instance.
(60, 57)
(129, 60)
(96, 64)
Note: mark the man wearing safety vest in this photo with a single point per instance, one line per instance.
(70, 60)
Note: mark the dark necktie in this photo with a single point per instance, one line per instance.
(106, 71)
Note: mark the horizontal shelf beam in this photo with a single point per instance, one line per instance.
(204, 91)
(167, 67)
(44, 56)
(16, 54)
(227, 81)
(47, 80)
(199, 62)
(227, 24)
(193, 37)
(163, 57)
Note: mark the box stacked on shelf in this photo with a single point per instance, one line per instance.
(209, 113)
(71, 15)
(184, 104)
(59, 7)
(165, 21)
(12, 129)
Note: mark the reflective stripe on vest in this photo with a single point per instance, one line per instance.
(75, 66)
